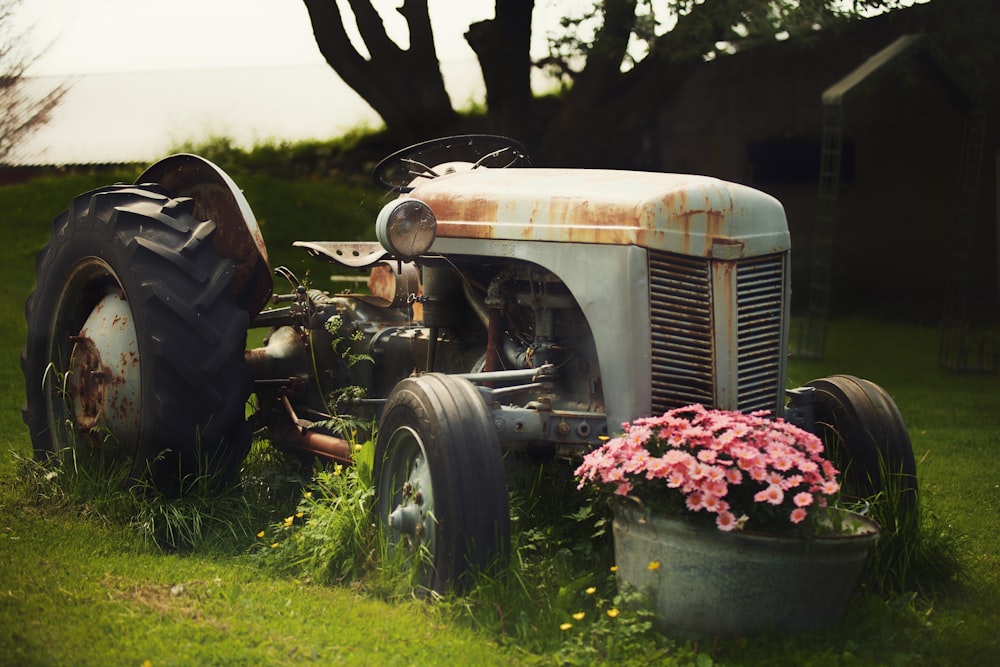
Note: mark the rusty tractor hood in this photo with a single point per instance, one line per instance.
(691, 215)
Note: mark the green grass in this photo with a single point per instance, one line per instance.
(79, 589)
(76, 592)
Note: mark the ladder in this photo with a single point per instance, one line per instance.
(812, 336)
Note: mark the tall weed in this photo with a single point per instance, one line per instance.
(199, 514)
(914, 552)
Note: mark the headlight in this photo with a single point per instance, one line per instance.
(406, 228)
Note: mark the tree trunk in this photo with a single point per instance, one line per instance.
(582, 119)
(502, 45)
(405, 87)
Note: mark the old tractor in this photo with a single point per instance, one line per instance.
(510, 310)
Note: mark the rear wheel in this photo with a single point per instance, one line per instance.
(135, 341)
(860, 422)
(441, 491)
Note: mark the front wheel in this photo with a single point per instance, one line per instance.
(136, 342)
(441, 492)
(861, 424)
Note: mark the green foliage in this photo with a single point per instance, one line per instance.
(606, 624)
(331, 535)
(688, 30)
(344, 345)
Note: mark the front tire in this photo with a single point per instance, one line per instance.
(135, 341)
(441, 491)
(869, 438)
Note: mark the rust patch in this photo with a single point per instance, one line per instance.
(396, 289)
(218, 200)
(607, 209)
(382, 283)
(87, 381)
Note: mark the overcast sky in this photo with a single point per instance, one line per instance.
(142, 35)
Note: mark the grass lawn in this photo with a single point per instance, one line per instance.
(77, 590)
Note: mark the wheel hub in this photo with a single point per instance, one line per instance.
(408, 517)
(104, 375)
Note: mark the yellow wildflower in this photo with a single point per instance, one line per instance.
(591, 590)
(289, 520)
(614, 568)
(308, 494)
(298, 515)
(613, 612)
(260, 534)
(565, 626)
(357, 448)
(578, 616)
(274, 545)
(653, 565)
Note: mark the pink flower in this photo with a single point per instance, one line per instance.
(716, 488)
(808, 467)
(698, 470)
(803, 499)
(694, 501)
(830, 488)
(784, 462)
(792, 482)
(707, 456)
(725, 521)
(623, 489)
(716, 474)
(772, 494)
(697, 456)
(711, 503)
(676, 457)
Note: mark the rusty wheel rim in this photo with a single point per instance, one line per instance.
(93, 382)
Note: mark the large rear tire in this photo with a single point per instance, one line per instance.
(864, 428)
(135, 342)
(441, 491)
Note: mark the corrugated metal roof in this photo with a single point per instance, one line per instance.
(141, 116)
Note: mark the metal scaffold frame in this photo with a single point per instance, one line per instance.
(956, 350)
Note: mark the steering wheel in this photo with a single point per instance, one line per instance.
(434, 158)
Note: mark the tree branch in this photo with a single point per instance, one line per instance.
(372, 29)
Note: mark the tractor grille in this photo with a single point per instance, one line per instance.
(692, 308)
(680, 294)
(760, 289)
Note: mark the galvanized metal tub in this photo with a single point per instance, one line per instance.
(708, 581)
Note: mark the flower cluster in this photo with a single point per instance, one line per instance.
(745, 469)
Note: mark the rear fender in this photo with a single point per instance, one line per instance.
(217, 198)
